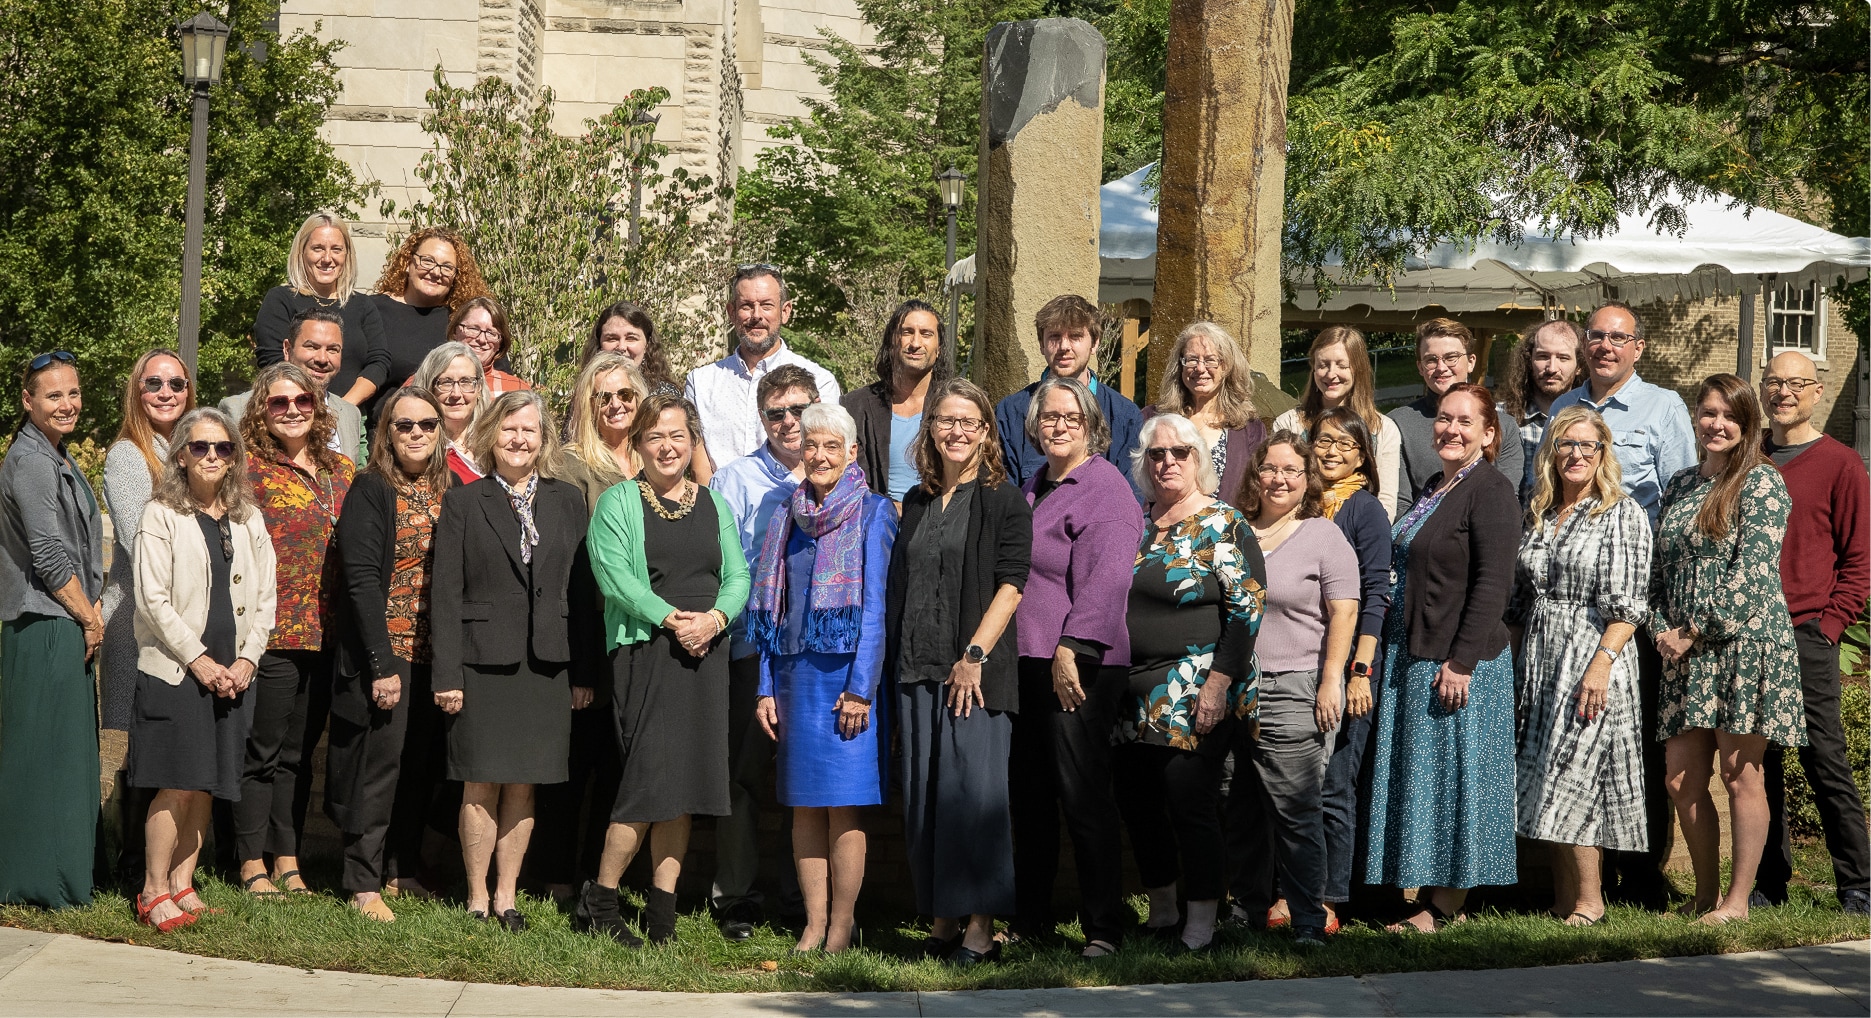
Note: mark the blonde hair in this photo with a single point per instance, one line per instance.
(1234, 404)
(1206, 480)
(299, 272)
(1607, 483)
(485, 432)
(583, 440)
(235, 494)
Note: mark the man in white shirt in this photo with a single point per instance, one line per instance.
(723, 392)
(315, 342)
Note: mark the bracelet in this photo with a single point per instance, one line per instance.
(721, 620)
(1608, 652)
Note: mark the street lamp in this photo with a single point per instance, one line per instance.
(643, 132)
(950, 183)
(204, 48)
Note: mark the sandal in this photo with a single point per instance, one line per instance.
(1105, 949)
(168, 925)
(185, 892)
(247, 885)
(1589, 920)
(1437, 920)
(282, 881)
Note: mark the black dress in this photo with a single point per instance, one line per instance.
(672, 709)
(409, 333)
(183, 736)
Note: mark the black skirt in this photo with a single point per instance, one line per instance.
(672, 731)
(186, 738)
(515, 725)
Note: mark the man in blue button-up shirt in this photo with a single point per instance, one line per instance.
(1068, 339)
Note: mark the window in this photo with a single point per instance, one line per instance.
(1796, 319)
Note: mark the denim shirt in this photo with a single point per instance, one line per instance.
(1650, 432)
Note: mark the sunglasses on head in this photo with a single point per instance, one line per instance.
(154, 384)
(44, 360)
(404, 425)
(1160, 453)
(303, 402)
(222, 450)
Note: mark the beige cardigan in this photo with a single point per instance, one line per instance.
(172, 577)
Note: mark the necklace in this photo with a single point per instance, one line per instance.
(1279, 529)
(325, 504)
(683, 506)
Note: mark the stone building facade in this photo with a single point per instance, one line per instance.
(733, 68)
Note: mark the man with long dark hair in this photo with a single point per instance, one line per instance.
(1548, 363)
(889, 411)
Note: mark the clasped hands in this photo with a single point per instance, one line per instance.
(226, 681)
(696, 631)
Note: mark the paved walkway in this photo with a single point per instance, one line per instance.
(47, 974)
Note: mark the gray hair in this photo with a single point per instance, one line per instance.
(829, 417)
(1097, 429)
(484, 434)
(1206, 480)
(438, 360)
(236, 495)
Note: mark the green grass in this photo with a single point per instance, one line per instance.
(438, 940)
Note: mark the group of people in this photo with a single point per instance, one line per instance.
(1345, 649)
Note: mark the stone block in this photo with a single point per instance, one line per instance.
(1042, 135)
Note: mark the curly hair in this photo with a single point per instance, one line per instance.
(235, 492)
(469, 283)
(1517, 385)
(260, 441)
(1234, 404)
(1310, 505)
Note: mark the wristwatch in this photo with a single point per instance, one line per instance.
(973, 654)
(1608, 652)
(1361, 668)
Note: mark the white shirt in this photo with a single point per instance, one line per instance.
(723, 394)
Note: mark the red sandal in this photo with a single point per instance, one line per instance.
(185, 892)
(167, 925)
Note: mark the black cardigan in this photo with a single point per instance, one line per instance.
(1000, 547)
(1461, 571)
(869, 406)
(364, 543)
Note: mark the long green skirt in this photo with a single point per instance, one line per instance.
(48, 763)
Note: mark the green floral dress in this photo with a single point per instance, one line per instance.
(1742, 675)
(1196, 599)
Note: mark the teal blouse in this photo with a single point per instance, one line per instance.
(632, 611)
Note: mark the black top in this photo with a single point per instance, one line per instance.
(364, 353)
(364, 545)
(998, 550)
(684, 556)
(409, 333)
(1461, 571)
(1783, 454)
(935, 558)
(218, 640)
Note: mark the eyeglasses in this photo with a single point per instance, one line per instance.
(477, 332)
(965, 425)
(44, 360)
(456, 385)
(603, 397)
(1160, 453)
(427, 425)
(1055, 418)
(1796, 386)
(303, 402)
(221, 450)
(1211, 363)
(1346, 444)
(1450, 361)
(1568, 446)
(1618, 340)
(776, 414)
(428, 264)
(154, 384)
(1290, 473)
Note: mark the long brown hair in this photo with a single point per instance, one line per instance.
(1363, 396)
(1248, 498)
(655, 366)
(1517, 387)
(136, 428)
(928, 458)
(468, 281)
(1718, 511)
(260, 442)
(437, 476)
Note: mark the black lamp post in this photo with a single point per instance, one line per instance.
(204, 49)
(951, 182)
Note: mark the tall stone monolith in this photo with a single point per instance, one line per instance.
(1042, 154)
(1224, 175)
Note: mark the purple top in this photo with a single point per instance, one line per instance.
(1314, 565)
(1086, 532)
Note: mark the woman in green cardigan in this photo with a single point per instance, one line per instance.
(668, 559)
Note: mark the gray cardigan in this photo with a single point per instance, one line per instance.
(50, 528)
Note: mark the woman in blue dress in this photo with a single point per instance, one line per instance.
(817, 615)
(1442, 778)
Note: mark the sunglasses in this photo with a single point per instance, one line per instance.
(154, 384)
(1160, 453)
(44, 360)
(625, 396)
(227, 537)
(222, 450)
(776, 414)
(427, 425)
(303, 402)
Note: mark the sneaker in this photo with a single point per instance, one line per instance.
(1855, 902)
(1760, 899)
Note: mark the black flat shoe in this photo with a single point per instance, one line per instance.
(936, 948)
(513, 921)
(1181, 947)
(963, 957)
(477, 915)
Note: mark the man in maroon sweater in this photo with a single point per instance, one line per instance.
(1825, 567)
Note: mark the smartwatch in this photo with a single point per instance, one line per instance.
(1361, 668)
(973, 654)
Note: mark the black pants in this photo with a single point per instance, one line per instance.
(1828, 767)
(573, 815)
(1063, 759)
(1637, 877)
(1171, 802)
(293, 698)
(401, 762)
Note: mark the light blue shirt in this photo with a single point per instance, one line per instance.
(754, 486)
(903, 475)
(1650, 433)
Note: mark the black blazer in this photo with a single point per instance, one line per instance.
(1461, 571)
(869, 407)
(1000, 549)
(364, 544)
(487, 607)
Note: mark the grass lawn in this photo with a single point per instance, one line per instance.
(439, 940)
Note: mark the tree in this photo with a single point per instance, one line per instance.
(94, 128)
(548, 218)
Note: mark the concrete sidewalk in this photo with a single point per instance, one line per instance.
(47, 974)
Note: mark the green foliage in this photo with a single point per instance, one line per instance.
(548, 216)
(94, 134)
(1855, 711)
(1136, 36)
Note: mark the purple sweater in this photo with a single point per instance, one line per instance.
(1086, 533)
(1313, 566)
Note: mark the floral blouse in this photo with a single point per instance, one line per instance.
(407, 612)
(1196, 599)
(300, 510)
